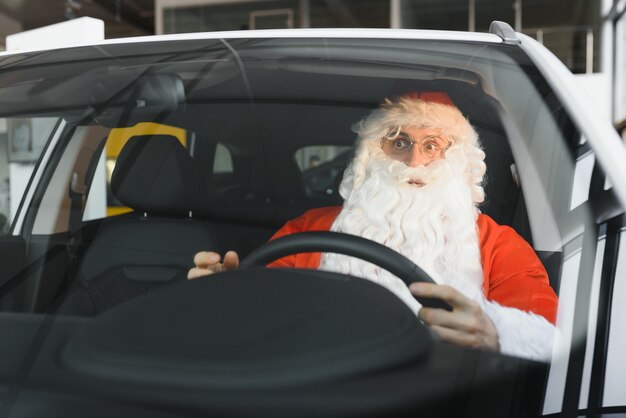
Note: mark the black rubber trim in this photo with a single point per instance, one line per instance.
(335, 242)
(575, 367)
(605, 305)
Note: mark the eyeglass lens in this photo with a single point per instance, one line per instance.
(430, 146)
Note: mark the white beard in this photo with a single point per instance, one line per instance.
(434, 225)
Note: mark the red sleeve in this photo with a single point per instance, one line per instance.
(515, 275)
(291, 227)
(319, 219)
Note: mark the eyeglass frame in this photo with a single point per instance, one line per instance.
(394, 134)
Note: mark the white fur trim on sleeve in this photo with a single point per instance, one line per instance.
(522, 334)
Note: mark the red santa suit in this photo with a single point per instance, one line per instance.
(513, 275)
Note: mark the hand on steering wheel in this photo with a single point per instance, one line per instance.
(466, 325)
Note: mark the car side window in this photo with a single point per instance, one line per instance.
(22, 141)
(223, 162)
(322, 168)
(57, 207)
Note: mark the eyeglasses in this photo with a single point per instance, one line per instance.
(399, 144)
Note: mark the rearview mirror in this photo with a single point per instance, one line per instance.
(147, 98)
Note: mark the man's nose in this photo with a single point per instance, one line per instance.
(415, 157)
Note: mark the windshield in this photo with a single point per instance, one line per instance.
(267, 129)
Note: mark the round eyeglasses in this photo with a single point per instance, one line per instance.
(399, 144)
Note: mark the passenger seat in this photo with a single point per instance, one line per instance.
(133, 254)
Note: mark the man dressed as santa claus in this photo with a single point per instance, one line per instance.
(414, 185)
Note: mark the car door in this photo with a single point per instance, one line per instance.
(587, 375)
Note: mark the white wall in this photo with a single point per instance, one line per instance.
(72, 32)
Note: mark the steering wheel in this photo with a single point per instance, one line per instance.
(336, 242)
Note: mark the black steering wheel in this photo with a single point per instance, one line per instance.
(336, 242)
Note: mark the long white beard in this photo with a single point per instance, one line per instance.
(434, 225)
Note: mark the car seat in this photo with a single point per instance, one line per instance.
(505, 201)
(133, 254)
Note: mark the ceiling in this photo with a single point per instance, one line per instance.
(122, 17)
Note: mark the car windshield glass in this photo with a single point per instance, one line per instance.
(221, 142)
(261, 102)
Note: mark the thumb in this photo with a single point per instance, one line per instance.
(231, 260)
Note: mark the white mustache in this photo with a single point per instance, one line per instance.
(440, 169)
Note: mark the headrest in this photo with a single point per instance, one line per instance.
(154, 174)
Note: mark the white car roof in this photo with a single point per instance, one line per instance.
(479, 37)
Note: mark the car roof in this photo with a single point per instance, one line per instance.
(439, 35)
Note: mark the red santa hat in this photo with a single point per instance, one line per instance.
(431, 96)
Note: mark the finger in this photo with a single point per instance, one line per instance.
(195, 272)
(445, 293)
(231, 260)
(458, 337)
(457, 319)
(204, 259)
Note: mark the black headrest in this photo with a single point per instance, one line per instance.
(153, 174)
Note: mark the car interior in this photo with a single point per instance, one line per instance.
(181, 204)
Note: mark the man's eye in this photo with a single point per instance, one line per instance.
(431, 146)
(401, 144)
